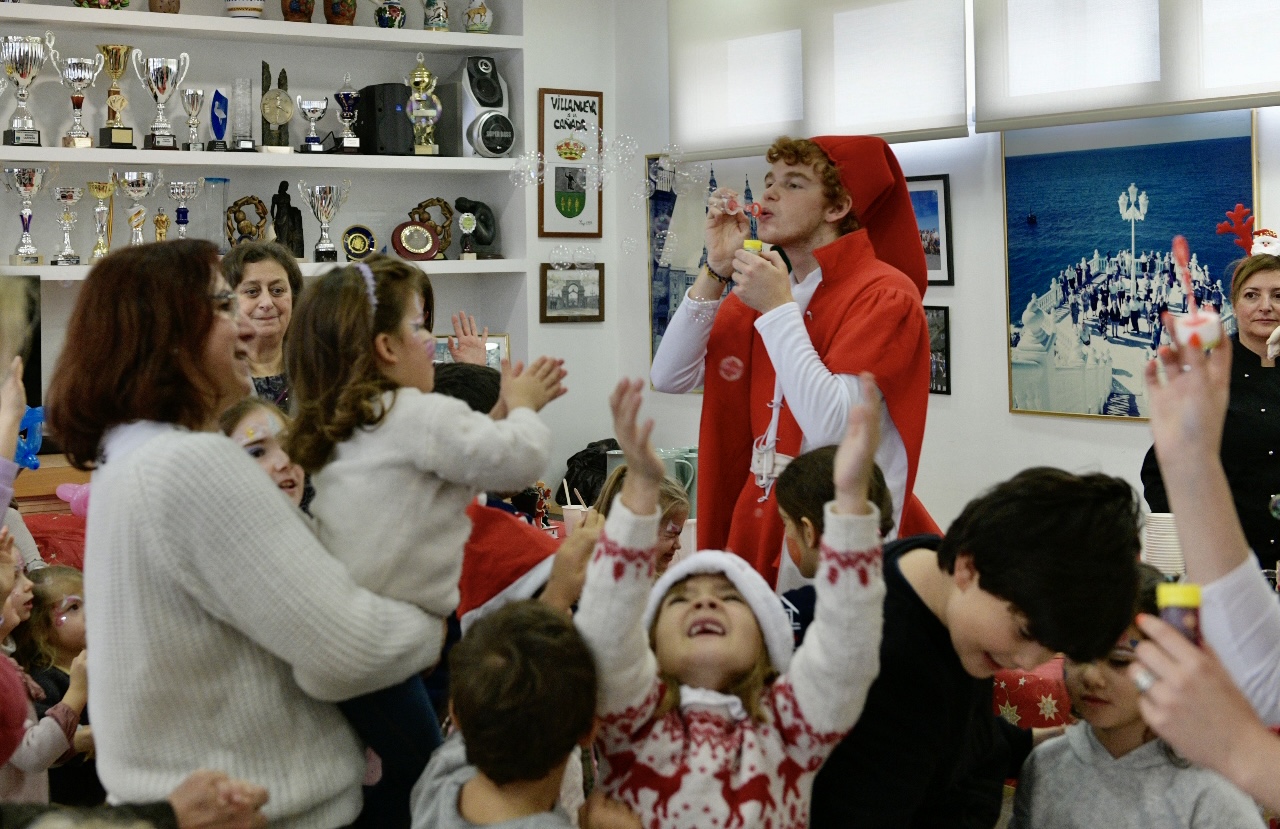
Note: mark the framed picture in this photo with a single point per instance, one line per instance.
(567, 120)
(571, 294)
(931, 201)
(1091, 211)
(496, 349)
(939, 319)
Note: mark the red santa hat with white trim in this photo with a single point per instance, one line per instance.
(505, 560)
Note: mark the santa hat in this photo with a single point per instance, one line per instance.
(870, 172)
(13, 708)
(505, 560)
(775, 627)
(1264, 241)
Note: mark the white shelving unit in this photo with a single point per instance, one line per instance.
(315, 56)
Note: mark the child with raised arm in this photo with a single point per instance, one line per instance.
(707, 718)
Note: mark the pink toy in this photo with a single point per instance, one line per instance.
(77, 495)
(1198, 329)
(728, 202)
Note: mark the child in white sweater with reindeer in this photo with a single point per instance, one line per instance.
(706, 717)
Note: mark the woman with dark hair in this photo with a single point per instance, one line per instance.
(1251, 436)
(267, 280)
(220, 630)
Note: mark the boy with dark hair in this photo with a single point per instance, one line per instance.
(523, 695)
(480, 387)
(1042, 563)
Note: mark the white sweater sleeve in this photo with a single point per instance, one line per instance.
(239, 548)
(819, 400)
(446, 437)
(1240, 618)
(679, 365)
(619, 577)
(833, 669)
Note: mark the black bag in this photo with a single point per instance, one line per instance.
(586, 471)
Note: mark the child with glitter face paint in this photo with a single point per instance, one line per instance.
(261, 428)
(673, 500)
(1110, 769)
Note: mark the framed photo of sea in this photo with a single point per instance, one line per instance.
(939, 319)
(931, 201)
(1091, 211)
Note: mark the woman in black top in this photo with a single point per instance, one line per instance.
(1251, 435)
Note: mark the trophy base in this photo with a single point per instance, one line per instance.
(22, 138)
(426, 149)
(160, 142)
(197, 147)
(26, 259)
(466, 257)
(116, 138)
(77, 141)
(348, 144)
(244, 145)
(311, 148)
(216, 146)
(330, 255)
(73, 259)
(267, 148)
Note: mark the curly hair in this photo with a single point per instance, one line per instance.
(802, 151)
(50, 585)
(337, 386)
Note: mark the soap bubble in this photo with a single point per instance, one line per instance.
(528, 169)
(561, 259)
(584, 257)
(671, 157)
(630, 245)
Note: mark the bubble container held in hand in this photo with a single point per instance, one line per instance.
(1180, 607)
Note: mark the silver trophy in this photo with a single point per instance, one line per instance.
(348, 101)
(161, 77)
(26, 182)
(137, 186)
(312, 111)
(183, 192)
(325, 199)
(68, 197)
(78, 74)
(192, 101)
(23, 57)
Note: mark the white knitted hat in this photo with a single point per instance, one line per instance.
(775, 627)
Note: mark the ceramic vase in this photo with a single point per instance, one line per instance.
(245, 8)
(479, 17)
(435, 15)
(297, 11)
(340, 12)
(101, 4)
(389, 15)
(164, 6)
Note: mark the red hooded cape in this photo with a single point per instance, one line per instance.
(866, 315)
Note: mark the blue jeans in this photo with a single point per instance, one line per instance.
(400, 724)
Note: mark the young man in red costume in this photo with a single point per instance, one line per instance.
(779, 356)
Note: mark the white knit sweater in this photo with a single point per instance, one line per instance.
(217, 622)
(705, 766)
(392, 504)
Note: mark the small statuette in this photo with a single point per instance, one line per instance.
(161, 222)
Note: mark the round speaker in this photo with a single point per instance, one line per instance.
(492, 134)
(487, 90)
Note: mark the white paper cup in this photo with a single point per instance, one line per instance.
(573, 516)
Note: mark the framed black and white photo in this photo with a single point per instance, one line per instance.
(939, 319)
(931, 201)
(571, 294)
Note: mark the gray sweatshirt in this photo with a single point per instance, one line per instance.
(1073, 782)
(434, 800)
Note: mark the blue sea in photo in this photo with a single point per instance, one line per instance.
(925, 205)
(1074, 196)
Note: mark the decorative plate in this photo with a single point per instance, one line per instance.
(358, 241)
(415, 241)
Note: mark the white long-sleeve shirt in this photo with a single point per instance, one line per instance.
(819, 400)
(221, 631)
(1240, 618)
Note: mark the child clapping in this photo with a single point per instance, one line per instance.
(706, 717)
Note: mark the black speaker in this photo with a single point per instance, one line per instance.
(381, 123)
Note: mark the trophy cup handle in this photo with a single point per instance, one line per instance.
(56, 58)
(4, 84)
(299, 104)
(136, 58)
(48, 43)
(97, 68)
(303, 190)
(184, 63)
(159, 180)
(344, 192)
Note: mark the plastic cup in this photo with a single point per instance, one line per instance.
(573, 516)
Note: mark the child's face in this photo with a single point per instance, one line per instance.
(260, 432)
(801, 545)
(414, 350)
(669, 540)
(68, 624)
(988, 632)
(21, 596)
(706, 635)
(1102, 691)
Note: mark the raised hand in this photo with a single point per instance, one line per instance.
(1188, 391)
(535, 386)
(644, 468)
(724, 232)
(856, 454)
(466, 343)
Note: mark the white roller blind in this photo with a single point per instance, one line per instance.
(1048, 62)
(746, 71)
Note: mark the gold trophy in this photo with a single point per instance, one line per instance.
(115, 133)
(102, 191)
(423, 109)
